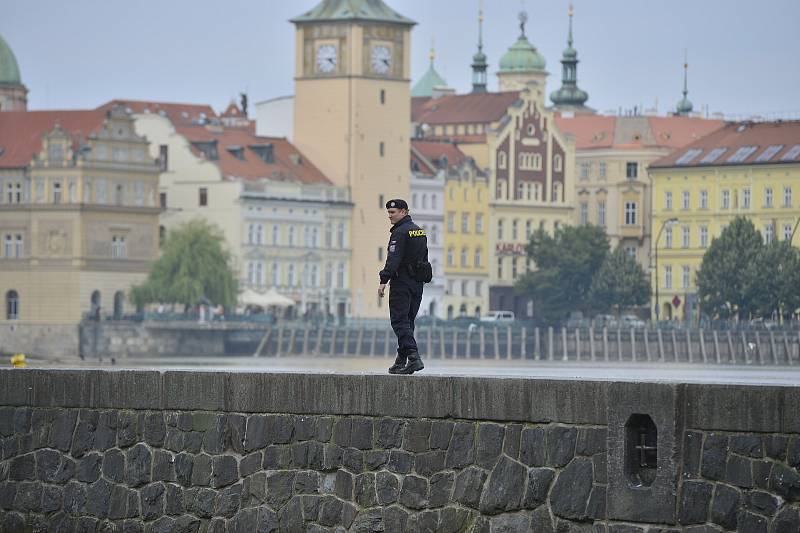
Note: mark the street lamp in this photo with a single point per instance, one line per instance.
(668, 222)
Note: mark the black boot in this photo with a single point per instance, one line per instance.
(398, 366)
(414, 364)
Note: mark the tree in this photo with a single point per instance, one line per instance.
(723, 285)
(619, 283)
(194, 265)
(773, 280)
(565, 264)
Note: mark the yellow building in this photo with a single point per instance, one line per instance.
(79, 220)
(466, 240)
(351, 109)
(749, 169)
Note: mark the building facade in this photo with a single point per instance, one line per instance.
(747, 169)
(351, 110)
(532, 187)
(79, 220)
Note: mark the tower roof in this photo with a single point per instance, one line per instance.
(569, 96)
(429, 80)
(341, 10)
(685, 106)
(9, 70)
(522, 56)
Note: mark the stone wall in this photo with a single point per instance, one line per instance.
(55, 340)
(122, 339)
(191, 451)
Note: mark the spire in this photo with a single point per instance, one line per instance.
(430, 80)
(684, 107)
(479, 63)
(432, 53)
(569, 96)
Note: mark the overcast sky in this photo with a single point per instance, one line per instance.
(743, 54)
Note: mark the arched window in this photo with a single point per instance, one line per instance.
(12, 305)
(119, 300)
(502, 162)
(462, 311)
(95, 305)
(558, 163)
(449, 312)
(477, 311)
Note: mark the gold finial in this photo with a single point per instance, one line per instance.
(432, 53)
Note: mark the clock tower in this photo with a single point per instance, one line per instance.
(352, 109)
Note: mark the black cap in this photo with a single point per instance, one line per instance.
(397, 203)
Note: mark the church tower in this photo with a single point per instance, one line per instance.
(569, 97)
(479, 63)
(351, 118)
(13, 94)
(522, 64)
(684, 107)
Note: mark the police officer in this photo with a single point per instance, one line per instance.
(408, 246)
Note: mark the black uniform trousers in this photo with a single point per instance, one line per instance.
(405, 296)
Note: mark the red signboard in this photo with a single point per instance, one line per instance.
(510, 248)
(676, 302)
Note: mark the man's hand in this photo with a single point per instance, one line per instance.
(382, 290)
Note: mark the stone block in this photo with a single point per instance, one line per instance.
(387, 486)
(532, 449)
(88, 470)
(571, 490)
(199, 501)
(280, 486)
(201, 470)
(224, 471)
(417, 436)
(250, 464)
(748, 445)
(414, 492)
(118, 503)
(341, 432)
(785, 482)
(256, 433)
(752, 523)
(390, 433)
(541, 521)
(353, 459)
(184, 465)
(306, 482)
(128, 428)
(23, 467)
(343, 485)
(28, 497)
(441, 489)
(369, 521)
(511, 440)
(395, 518)
(75, 498)
(324, 428)
(163, 466)
(400, 462)
(787, 521)
(793, 457)
(725, 506)
(761, 473)
(739, 471)
(469, 486)
(596, 508)
(539, 481)
(152, 500)
(173, 499)
(490, 444)
(138, 464)
(761, 502)
(290, 517)
(305, 428)
(364, 490)
(8, 491)
(692, 451)
(98, 495)
(105, 435)
(375, 459)
(311, 504)
(560, 445)
(511, 523)
(461, 452)
(235, 432)
(694, 503)
(214, 436)
(62, 430)
(361, 433)
(332, 456)
(228, 501)
(775, 446)
(194, 390)
(429, 463)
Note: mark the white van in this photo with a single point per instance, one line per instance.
(498, 316)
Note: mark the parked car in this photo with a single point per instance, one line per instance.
(498, 317)
(630, 321)
(605, 321)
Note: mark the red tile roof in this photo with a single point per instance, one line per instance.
(599, 132)
(473, 108)
(176, 112)
(21, 132)
(232, 111)
(288, 163)
(433, 151)
(740, 143)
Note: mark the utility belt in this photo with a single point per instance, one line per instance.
(421, 270)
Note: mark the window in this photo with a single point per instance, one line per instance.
(685, 200)
(117, 247)
(746, 198)
(558, 163)
(138, 193)
(585, 170)
(259, 234)
(19, 246)
(601, 212)
(381, 149)
(434, 234)
(314, 275)
(668, 277)
(704, 199)
(275, 235)
(584, 213)
(769, 233)
(381, 203)
(630, 213)
(328, 275)
(290, 281)
(685, 276)
(514, 267)
(500, 268)
(12, 305)
(602, 169)
(451, 222)
(685, 237)
(768, 153)
(14, 192)
(500, 229)
(451, 257)
(203, 200)
(787, 197)
(713, 155)
(703, 236)
(464, 257)
(340, 237)
(466, 194)
(119, 194)
(414, 201)
(8, 247)
(424, 201)
(767, 196)
(162, 200)
(742, 153)
(631, 170)
(528, 229)
(56, 193)
(291, 236)
(479, 223)
(478, 291)
(530, 161)
(792, 153)
(668, 237)
(306, 236)
(251, 234)
(630, 251)
(787, 231)
(101, 191)
(163, 158)
(477, 257)
(667, 199)
(276, 273)
(688, 156)
(382, 96)
(515, 230)
(72, 192)
(464, 222)
(340, 281)
(726, 199)
(502, 162)
(433, 201)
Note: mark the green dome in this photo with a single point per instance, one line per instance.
(569, 96)
(9, 71)
(570, 53)
(522, 57)
(684, 107)
(429, 80)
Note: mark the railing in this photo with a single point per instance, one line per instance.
(538, 344)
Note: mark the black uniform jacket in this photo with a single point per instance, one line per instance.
(407, 245)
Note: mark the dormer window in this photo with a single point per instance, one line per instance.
(236, 151)
(265, 152)
(207, 148)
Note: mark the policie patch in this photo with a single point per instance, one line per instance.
(416, 233)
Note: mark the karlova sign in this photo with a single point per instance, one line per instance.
(509, 248)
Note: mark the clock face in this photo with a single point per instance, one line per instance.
(381, 59)
(326, 58)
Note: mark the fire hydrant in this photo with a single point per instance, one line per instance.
(18, 360)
